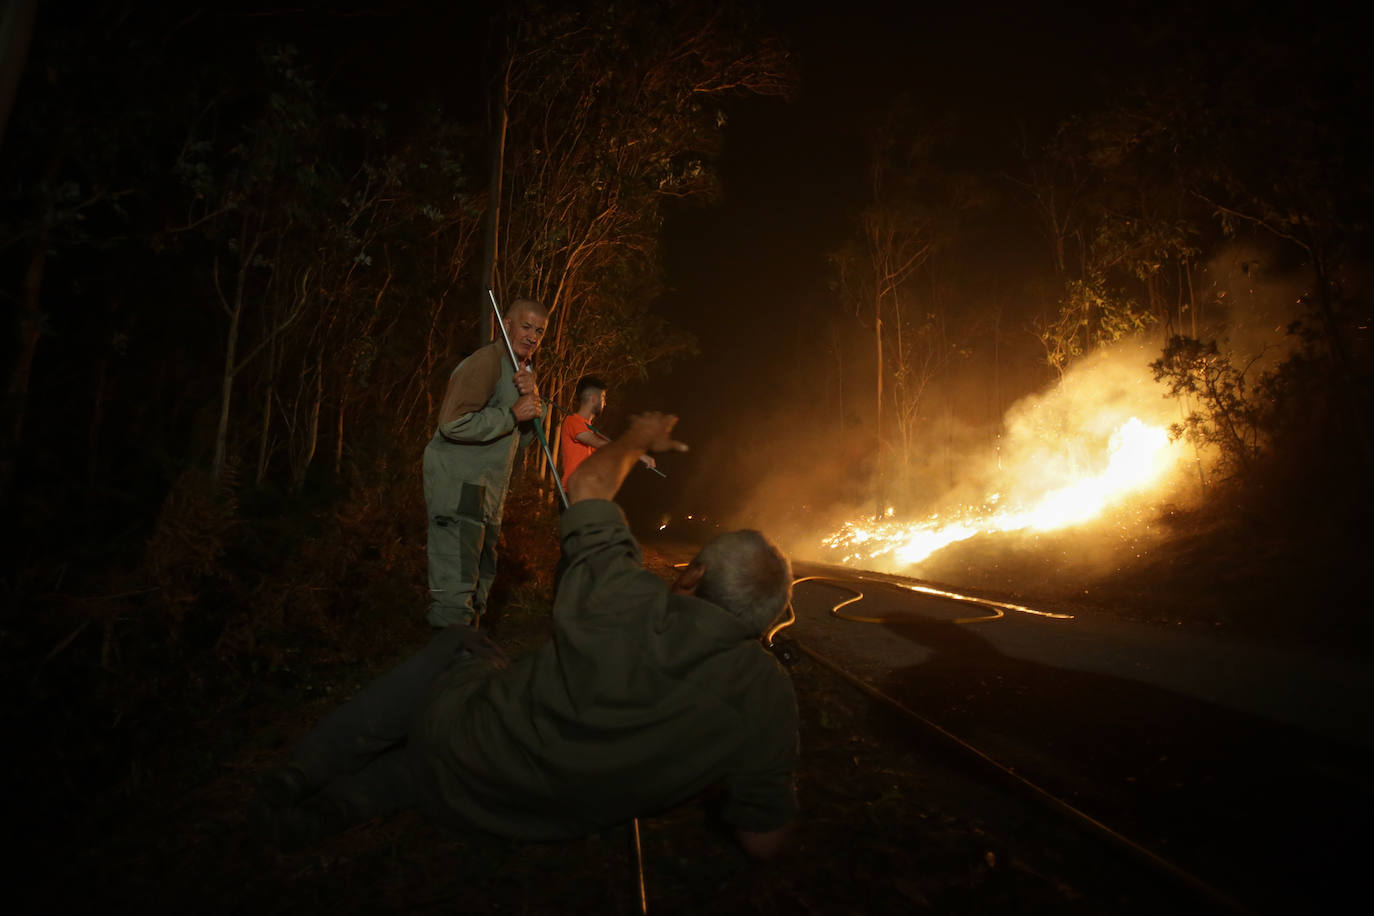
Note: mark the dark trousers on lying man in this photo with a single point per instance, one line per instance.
(357, 763)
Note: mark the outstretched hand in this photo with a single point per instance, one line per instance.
(600, 476)
(653, 432)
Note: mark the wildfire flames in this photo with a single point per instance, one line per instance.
(1053, 491)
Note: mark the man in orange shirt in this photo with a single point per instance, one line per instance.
(578, 437)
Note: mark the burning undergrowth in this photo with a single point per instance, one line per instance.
(1214, 471)
(1091, 455)
(1093, 451)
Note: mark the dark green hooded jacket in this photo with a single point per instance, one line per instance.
(641, 700)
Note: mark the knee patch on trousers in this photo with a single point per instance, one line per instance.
(471, 505)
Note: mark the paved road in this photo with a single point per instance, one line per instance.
(1328, 695)
(1246, 765)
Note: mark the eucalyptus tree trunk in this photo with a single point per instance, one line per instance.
(878, 402)
(226, 393)
(265, 434)
(304, 455)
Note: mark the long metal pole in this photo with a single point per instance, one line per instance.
(538, 422)
(539, 431)
(498, 159)
(639, 863)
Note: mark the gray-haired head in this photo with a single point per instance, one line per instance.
(747, 575)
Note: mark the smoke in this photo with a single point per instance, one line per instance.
(1054, 439)
(1046, 440)
(817, 473)
(802, 472)
(1247, 301)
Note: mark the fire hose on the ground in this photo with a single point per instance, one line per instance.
(787, 650)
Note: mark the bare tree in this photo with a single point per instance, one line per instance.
(897, 234)
(602, 131)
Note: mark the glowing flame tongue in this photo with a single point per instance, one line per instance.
(1138, 455)
(1133, 465)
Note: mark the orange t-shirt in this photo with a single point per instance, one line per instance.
(574, 452)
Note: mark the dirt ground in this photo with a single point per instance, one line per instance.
(134, 790)
(889, 825)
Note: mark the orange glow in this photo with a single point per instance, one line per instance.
(1052, 490)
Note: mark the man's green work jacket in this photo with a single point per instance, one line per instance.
(477, 439)
(642, 699)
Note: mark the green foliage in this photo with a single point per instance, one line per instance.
(614, 109)
(1122, 227)
(1235, 414)
(1090, 317)
(1253, 143)
(1142, 246)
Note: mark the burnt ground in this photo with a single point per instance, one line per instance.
(154, 815)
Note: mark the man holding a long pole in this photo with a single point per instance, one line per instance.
(484, 422)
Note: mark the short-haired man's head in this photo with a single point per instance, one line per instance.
(747, 575)
(587, 388)
(525, 321)
(524, 305)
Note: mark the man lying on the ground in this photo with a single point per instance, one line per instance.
(646, 696)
